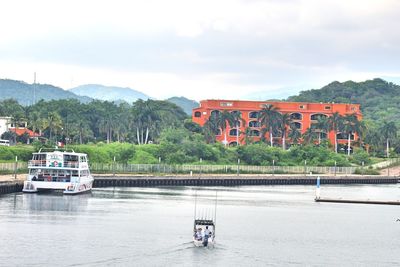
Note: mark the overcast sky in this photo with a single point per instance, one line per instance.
(200, 49)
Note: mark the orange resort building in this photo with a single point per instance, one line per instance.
(302, 115)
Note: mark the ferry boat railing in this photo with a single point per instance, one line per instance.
(37, 163)
(42, 163)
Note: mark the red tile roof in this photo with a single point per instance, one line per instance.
(21, 131)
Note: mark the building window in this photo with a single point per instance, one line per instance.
(254, 133)
(323, 135)
(254, 115)
(315, 117)
(302, 107)
(296, 116)
(233, 132)
(296, 125)
(232, 144)
(197, 114)
(327, 107)
(226, 104)
(219, 132)
(254, 124)
(215, 113)
(344, 136)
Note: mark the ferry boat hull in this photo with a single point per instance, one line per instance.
(67, 188)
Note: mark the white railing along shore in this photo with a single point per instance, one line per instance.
(196, 169)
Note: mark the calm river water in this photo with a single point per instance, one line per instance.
(256, 226)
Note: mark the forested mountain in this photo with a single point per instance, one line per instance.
(25, 93)
(109, 93)
(186, 104)
(380, 100)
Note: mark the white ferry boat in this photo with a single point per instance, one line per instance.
(58, 170)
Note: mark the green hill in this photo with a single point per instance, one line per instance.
(380, 100)
(25, 93)
(109, 93)
(186, 104)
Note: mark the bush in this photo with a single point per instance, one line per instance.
(23, 152)
(360, 156)
(366, 171)
(143, 157)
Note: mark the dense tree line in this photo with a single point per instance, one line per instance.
(379, 102)
(71, 121)
(181, 141)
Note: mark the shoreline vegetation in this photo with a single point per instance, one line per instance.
(167, 158)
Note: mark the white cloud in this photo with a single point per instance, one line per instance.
(200, 49)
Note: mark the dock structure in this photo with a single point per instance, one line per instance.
(10, 185)
(349, 201)
(353, 201)
(152, 181)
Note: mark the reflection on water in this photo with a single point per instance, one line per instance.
(56, 202)
(256, 226)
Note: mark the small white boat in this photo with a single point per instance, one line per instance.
(58, 170)
(204, 226)
(204, 233)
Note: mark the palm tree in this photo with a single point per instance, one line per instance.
(16, 119)
(336, 125)
(267, 117)
(309, 136)
(223, 120)
(389, 132)
(351, 125)
(106, 126)
(294, 133)
(54, 122)
(34, 121)
(321, 126)
(146, 116)
(237, 121)
(283, 121)
(210, 129)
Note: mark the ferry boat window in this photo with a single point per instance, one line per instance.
(75, 173)
(82, 159)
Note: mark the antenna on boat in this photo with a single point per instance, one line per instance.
(195, 204)
(215, 210)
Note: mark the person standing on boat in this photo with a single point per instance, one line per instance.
(198, 234)
(206, 235)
